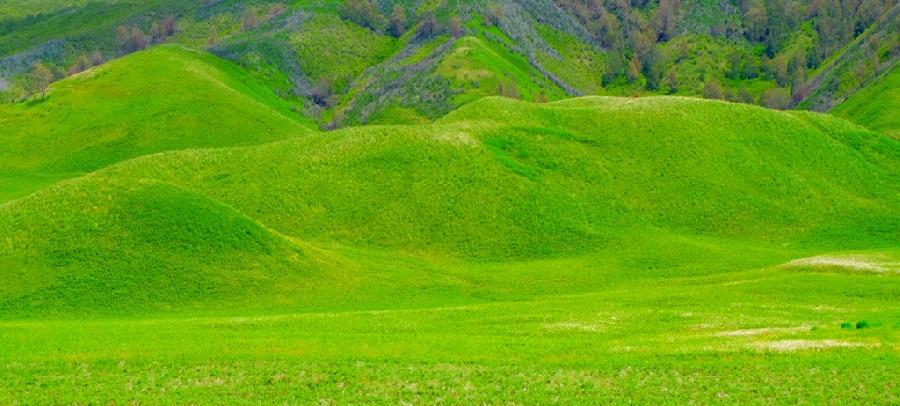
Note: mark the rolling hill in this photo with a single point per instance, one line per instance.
(166, 98)
(580, 178)
(515, 202)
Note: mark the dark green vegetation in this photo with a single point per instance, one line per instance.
(362, 61)
(173, 228)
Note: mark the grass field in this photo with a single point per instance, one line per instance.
(764, 335)
(589, 250)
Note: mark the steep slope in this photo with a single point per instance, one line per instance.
(875, 106)
(162, 99)
(586, 178)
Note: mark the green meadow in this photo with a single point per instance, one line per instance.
(185, 237)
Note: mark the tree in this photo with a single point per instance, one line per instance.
(39, 79)
(744, 96)
(712, 90)
(608, 30)
(756, 20)
(398, 21)
(81, 64)
(213, 35)
(735, 62)
(493, 15)
(780, 67)
(510, 89)
(276, 10)
(776, 98)
(321, 93)
(249, 21)
(156, 33)
(169, 25)
(634, 69)
(456, 27)
(138, 39)
(672, 81)
(666, 19)
(123, 37)
(428, 26)
(96, 58)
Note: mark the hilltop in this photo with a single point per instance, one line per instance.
(581, 178)
(162, 99)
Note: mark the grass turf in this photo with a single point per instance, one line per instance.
(166, 98)
(589, 249)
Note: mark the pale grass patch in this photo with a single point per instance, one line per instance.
(575, 326)
(797, 345)
(866, 263)
(457, 138)
(763, 331)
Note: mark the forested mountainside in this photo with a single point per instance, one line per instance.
(365, 61)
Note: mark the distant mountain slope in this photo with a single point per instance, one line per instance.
(165, 98)
(876, 106)
(364, 61)
(497, 181)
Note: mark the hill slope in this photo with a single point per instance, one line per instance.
(584, 178)
(165, 98)
(876, 106)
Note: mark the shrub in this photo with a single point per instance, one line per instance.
(862, 324)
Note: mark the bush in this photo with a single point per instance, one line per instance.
(862, 324)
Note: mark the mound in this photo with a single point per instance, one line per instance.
(136, 247)
(561, 179)
(166, 98)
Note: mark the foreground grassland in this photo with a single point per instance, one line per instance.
(594, 249)
(768, 335)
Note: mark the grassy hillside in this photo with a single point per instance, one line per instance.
(165, 98)
(876, 105)
(341, 71)
(576, 178)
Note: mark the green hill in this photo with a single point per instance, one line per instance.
(165, 98)
(396, 208)
(876, 105)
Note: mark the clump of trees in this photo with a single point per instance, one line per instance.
(788, 39)
(364, 13)
(367, 14)
(509, 89)
(133, 39)
(397, 25)
(39, 79)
